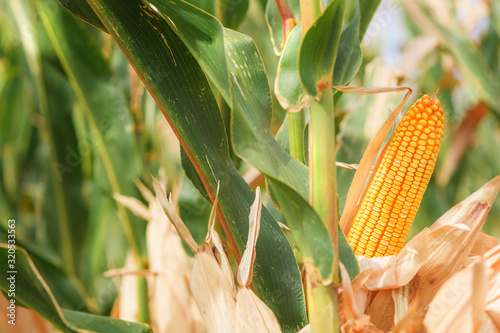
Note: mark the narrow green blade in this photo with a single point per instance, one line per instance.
(187, 102)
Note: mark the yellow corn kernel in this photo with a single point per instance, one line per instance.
(394, 195)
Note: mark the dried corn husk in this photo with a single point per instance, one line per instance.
(172, 308)
(352, 317)
(223, 307)
(470, 300)
(253, 315)
(211, 282)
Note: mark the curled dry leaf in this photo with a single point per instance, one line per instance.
(461, 140)
(222, 308)
(170, 211)
(246, 264)
(171, 305)
(214, 295)
(469, 300)
(448, 242)
(128, 300)
(253, 315)
(391, 271)
(134, 205)
(352, 317)
(483, 244)
(212, 281)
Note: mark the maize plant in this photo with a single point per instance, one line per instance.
(231, 166)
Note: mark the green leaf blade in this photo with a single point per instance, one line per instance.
(187, 102)
(318, 50)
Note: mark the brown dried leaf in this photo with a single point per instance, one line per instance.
(412, 322)
(415, 52)
(493, 311)
(447, 243)
(352, 318)
(171, 212)
(381, 309)
(134, 205)
(253, 315)
(145, 192)
(172, 307)
(245, 270)
(483, 244)
(214, 295)
(128, 291)
(442, 248)
(391, 271)
(462, 137)
(356, 194)
(462, 304)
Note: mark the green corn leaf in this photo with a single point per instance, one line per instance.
(275, 22)
(84, 12)
(187, 101)
(313, 241)
(250, 95)
(231, 60)
(318, 49)
(288, 89)
(105, 112)
(32, 291)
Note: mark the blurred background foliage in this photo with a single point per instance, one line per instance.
(69, 141)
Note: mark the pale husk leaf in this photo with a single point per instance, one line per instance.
(483, 244)
(391, 271)
(145, 192)
(212, 282)
(352, 318)
(172, 307)
(443, 249)
(253, 315)
(440, 248)
(465, 301)
(134, 205)
(171, 212)
(218, 249)
(448, 242)
(245, 268)
(128, 299)
(214, 295)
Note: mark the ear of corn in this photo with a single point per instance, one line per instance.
(394, 195)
